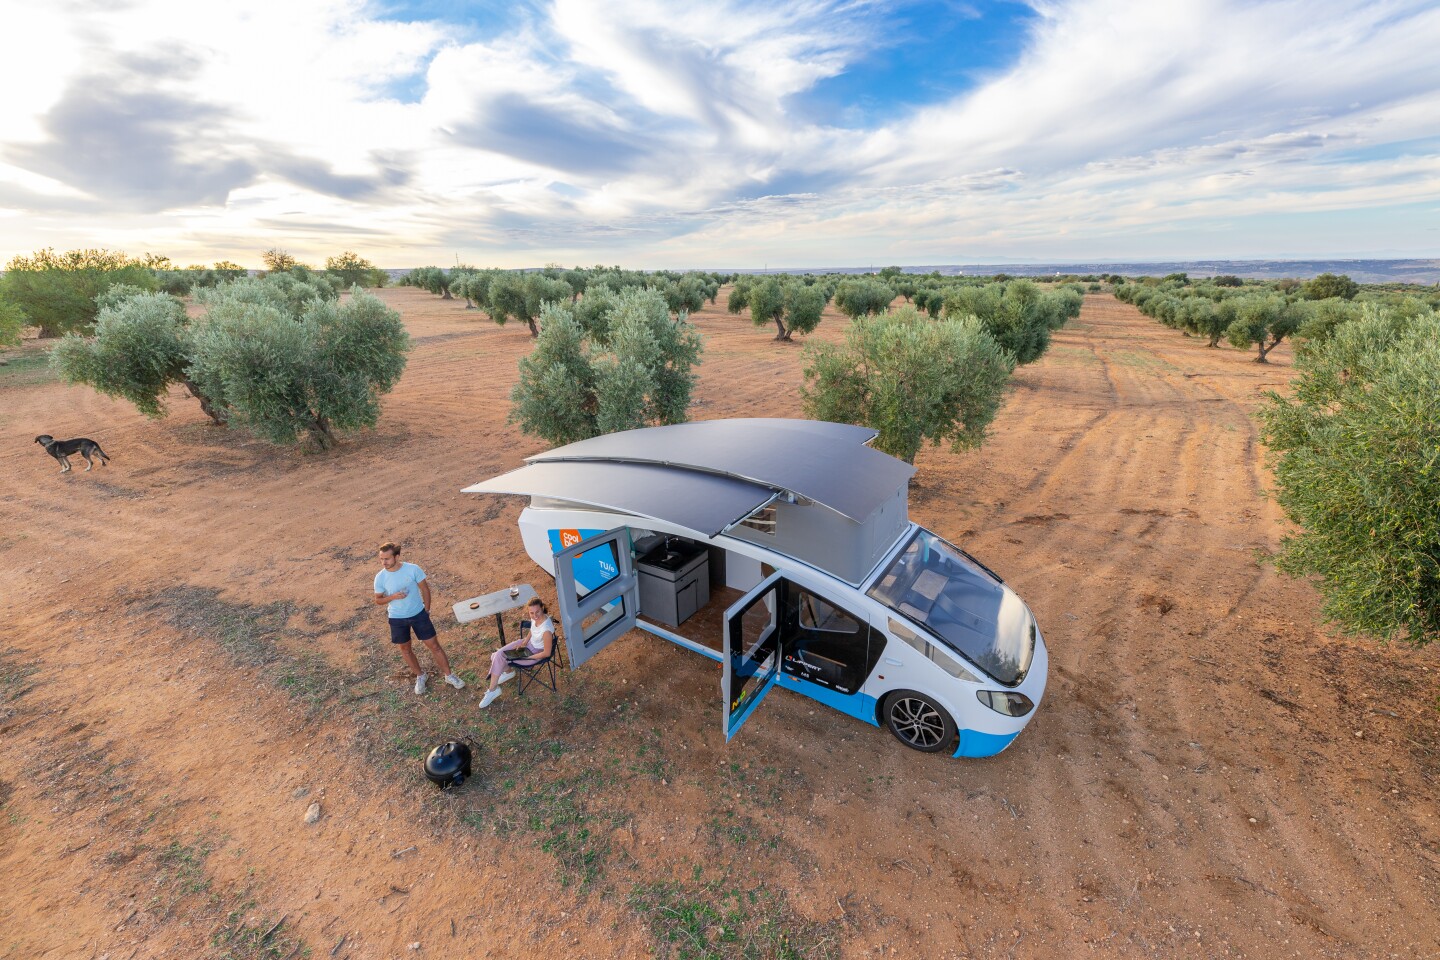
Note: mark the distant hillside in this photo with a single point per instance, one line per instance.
(1361, 271)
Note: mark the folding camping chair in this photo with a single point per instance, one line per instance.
(541, 671)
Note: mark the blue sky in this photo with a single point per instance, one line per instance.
(737, 133)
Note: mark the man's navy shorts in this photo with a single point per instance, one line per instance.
(400, 627)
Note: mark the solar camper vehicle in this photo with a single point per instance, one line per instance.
(783, 549)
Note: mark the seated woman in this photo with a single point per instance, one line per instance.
(539, 643)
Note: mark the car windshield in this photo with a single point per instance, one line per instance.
(961, 603)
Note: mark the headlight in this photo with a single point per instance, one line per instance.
(1010, 704)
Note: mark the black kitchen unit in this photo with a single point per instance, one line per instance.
(674, 580)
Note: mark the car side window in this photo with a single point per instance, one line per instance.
(828, 646)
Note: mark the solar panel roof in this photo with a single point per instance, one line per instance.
(827, 463)
(705, 502)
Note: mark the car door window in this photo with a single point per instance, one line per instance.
(830, 646)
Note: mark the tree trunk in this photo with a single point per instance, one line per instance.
(534, 330)
(445, 294)
(212, 410)
(783, 334)
(320, 430)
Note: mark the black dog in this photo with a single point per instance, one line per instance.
(61, 450)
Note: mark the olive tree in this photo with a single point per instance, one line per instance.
(285, 379)
(1355, 448)
(1265, 321)
(353, 270)
(278, 261)
(910, 378)
(572, 387)
(520, 296)
(1328, 285)
(141, 346)
(1017, 314)
(804, 305)
(56, 291)
(766, 300)
(281, 290)
(12, 321)
(860, 298)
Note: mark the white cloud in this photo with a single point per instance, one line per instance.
(661, 133)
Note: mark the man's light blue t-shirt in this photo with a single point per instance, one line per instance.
(406, 577)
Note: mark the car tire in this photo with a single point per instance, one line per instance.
(918, 722)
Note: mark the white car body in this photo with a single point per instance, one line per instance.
(591, 552)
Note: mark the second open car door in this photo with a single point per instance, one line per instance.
(754, 649)
(597, 591)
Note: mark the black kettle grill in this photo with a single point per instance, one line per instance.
(448, 764)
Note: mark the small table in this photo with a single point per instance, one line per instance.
(495, 603)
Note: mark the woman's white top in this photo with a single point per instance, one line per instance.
(536, 643)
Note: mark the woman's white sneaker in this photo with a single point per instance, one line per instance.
(454, 681)
(490, 697)
(507, 675)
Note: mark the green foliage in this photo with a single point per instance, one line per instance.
(766, 300)
(1205, 318)
(352, 270)
(861, 298)
(278, 261)
(687, 294)
(12, 321)
(140, 347)
(285, 378)
(1356, 453)
(555, 395)
(57, 292)
(1226, 280)
(593, 310)
(572, 387)
(1017, 314)
(739, 299)
(1265, 321)
(182, 282)
(520, 296)
(283, 291)
(910, 378)
(1325, 316)
(804, 306)
(1328, 285)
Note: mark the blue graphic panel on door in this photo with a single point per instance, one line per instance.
(594, 568)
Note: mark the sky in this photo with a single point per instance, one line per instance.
(725, 134)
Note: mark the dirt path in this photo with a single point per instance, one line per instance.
(190, 663)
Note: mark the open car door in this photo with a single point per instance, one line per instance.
(754, 648)
(597, 591)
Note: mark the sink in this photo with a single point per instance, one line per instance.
(671, 557)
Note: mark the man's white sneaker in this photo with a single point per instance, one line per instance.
(490, 697)
(421, 682)
(507, 675)
(454, 681)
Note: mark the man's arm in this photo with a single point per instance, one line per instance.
(425, 594)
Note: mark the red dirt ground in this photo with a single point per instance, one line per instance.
(190, 661)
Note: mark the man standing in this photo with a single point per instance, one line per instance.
(402, 586)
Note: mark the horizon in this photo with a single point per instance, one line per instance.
(929, 132)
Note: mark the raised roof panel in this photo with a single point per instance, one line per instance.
(824, 462)
(704, 502)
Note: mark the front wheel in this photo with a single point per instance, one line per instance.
(918, 722)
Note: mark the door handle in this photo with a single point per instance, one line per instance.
(893, 662)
